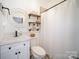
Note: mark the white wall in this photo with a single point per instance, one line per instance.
(60, 30)
(28, 5)
(7, 25)
(43, 3)
(53, 2)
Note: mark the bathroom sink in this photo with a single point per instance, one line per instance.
(10, 40)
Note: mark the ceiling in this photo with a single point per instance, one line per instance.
(44, 3)
(49, 3)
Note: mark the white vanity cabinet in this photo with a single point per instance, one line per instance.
(15, 51)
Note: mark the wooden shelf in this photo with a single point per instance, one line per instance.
(34, 15)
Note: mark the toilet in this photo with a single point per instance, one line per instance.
(38, 52)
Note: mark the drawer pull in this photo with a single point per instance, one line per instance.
(9, 48)
(19, 52)
(15, 53)
(24, 44)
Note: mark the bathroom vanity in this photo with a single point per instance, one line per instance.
(15, 49)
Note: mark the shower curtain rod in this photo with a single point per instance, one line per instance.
(53, 6)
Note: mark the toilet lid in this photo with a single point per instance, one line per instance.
(38, 50)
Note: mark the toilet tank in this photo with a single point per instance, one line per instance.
(35, 41)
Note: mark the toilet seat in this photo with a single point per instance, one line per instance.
(38, 50)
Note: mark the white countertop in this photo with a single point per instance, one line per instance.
(10, 40)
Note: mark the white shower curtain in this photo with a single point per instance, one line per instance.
(58, 29)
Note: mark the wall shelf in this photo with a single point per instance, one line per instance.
(34, 15)
(34, 24)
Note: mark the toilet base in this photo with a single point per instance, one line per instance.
(37, 58)
(38, 52)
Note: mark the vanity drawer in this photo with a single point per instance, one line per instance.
(19, 50)
(10, 47)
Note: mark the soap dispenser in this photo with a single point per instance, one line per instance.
(16, 33)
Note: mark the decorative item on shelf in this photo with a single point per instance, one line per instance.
(34, 25)
(38, 29)
(30, 29)
(32, 35)
(34, 28)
